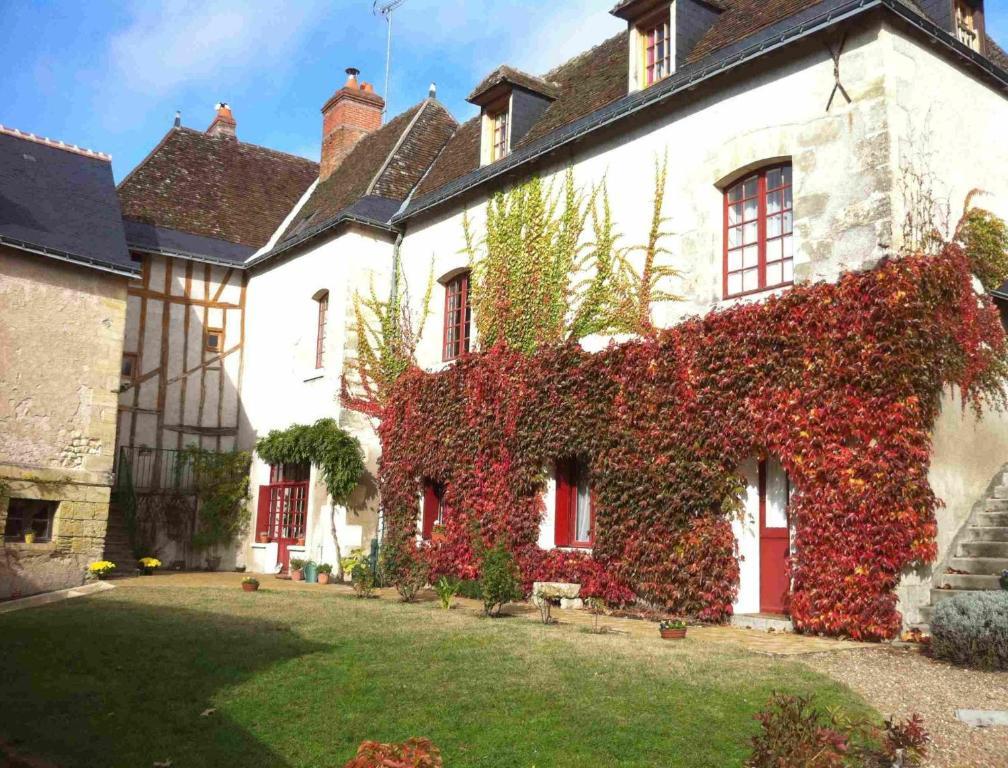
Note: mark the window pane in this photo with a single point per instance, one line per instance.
(734, 214)
(750, 186)
(788, 246)
(750, 209)
(788, 274)
(582, 518)
(750, 280)
(735, 193)
(773, 178)
(750, 256)
(734, 260)
(786, 173)
(735, 284)
(774, 250)
(750, 232)
(773, 202)
(773, 273)
(788, 222)
(773, 226)
(787, 198)
(735, 237)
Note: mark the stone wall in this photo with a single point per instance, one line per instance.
(60, 355)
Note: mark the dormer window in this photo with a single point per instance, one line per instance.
(656, 45)
(510, 102)
(969, 23)
(498, 127)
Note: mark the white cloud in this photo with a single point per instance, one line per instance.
(173, 43)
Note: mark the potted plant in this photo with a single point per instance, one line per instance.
(297, 569)
(264, 537)
(148, 565)
(324, 570)
(672, 629)
(29, 537)
(250, 584)
(101, 569)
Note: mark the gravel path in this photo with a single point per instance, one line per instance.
(900, 682)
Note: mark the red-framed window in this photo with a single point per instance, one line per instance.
(657, 49)
(282, 513)
(458, 316)
(575, 505)
(320, 337)
(758, 225)
(434, 510)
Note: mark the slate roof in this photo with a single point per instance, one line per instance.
(379, 173)
(215, 187)
(60, 202)
(592, 89)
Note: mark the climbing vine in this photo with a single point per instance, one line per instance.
(840, 381)
(221, 486)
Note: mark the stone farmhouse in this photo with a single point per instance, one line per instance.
(64, 270)
(789, 127)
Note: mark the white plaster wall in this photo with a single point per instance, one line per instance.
(281, 385)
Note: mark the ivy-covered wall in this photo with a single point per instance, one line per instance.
(840, 381)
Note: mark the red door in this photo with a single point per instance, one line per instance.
(288, 505)
(774, 537)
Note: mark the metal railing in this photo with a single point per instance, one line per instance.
(156, 469)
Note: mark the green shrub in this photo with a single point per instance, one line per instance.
(972, 629)
(499, 581)
(984, 237)
(407, 569)
(362, 578)
(324, 568)
(297, 564)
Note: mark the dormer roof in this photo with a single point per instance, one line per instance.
(505, 77)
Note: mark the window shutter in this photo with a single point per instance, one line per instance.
(430, 508)
(262, 512)
(564, 489)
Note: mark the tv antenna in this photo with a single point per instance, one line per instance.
(385, 9)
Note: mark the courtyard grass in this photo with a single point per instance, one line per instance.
(126, 678)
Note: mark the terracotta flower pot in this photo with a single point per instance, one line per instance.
(300, 541)
(672, 634)
(297, 575)
(323, 578)
(29, 538)
(249, 587)
(263, 537)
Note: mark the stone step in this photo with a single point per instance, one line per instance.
(1000, 492)
(991, 519)
(986, 533)
(996, 505)
(937, 595)
(979, 566)
(997, 549)
(968, 581)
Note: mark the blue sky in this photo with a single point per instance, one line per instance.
(110, 75)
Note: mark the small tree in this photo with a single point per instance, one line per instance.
(499, 582)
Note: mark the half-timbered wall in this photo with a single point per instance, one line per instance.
(182, 392)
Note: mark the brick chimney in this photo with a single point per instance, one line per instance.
(223, 123)
(353, 112)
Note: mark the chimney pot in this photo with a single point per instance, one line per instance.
(223, 123)
(352, 73)
(432, 91)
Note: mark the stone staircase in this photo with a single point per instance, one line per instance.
(117, 545)
(980, 551)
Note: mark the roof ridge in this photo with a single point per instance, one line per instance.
(244, 144)
(402, 139)
(55, 143)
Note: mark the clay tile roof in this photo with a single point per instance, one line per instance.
(215, 187)
(385, 164)
(582, 85)
(59, 200)
(997, 54)
(742, 18)
(506, 74)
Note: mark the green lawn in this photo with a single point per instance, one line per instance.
(300, 679)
